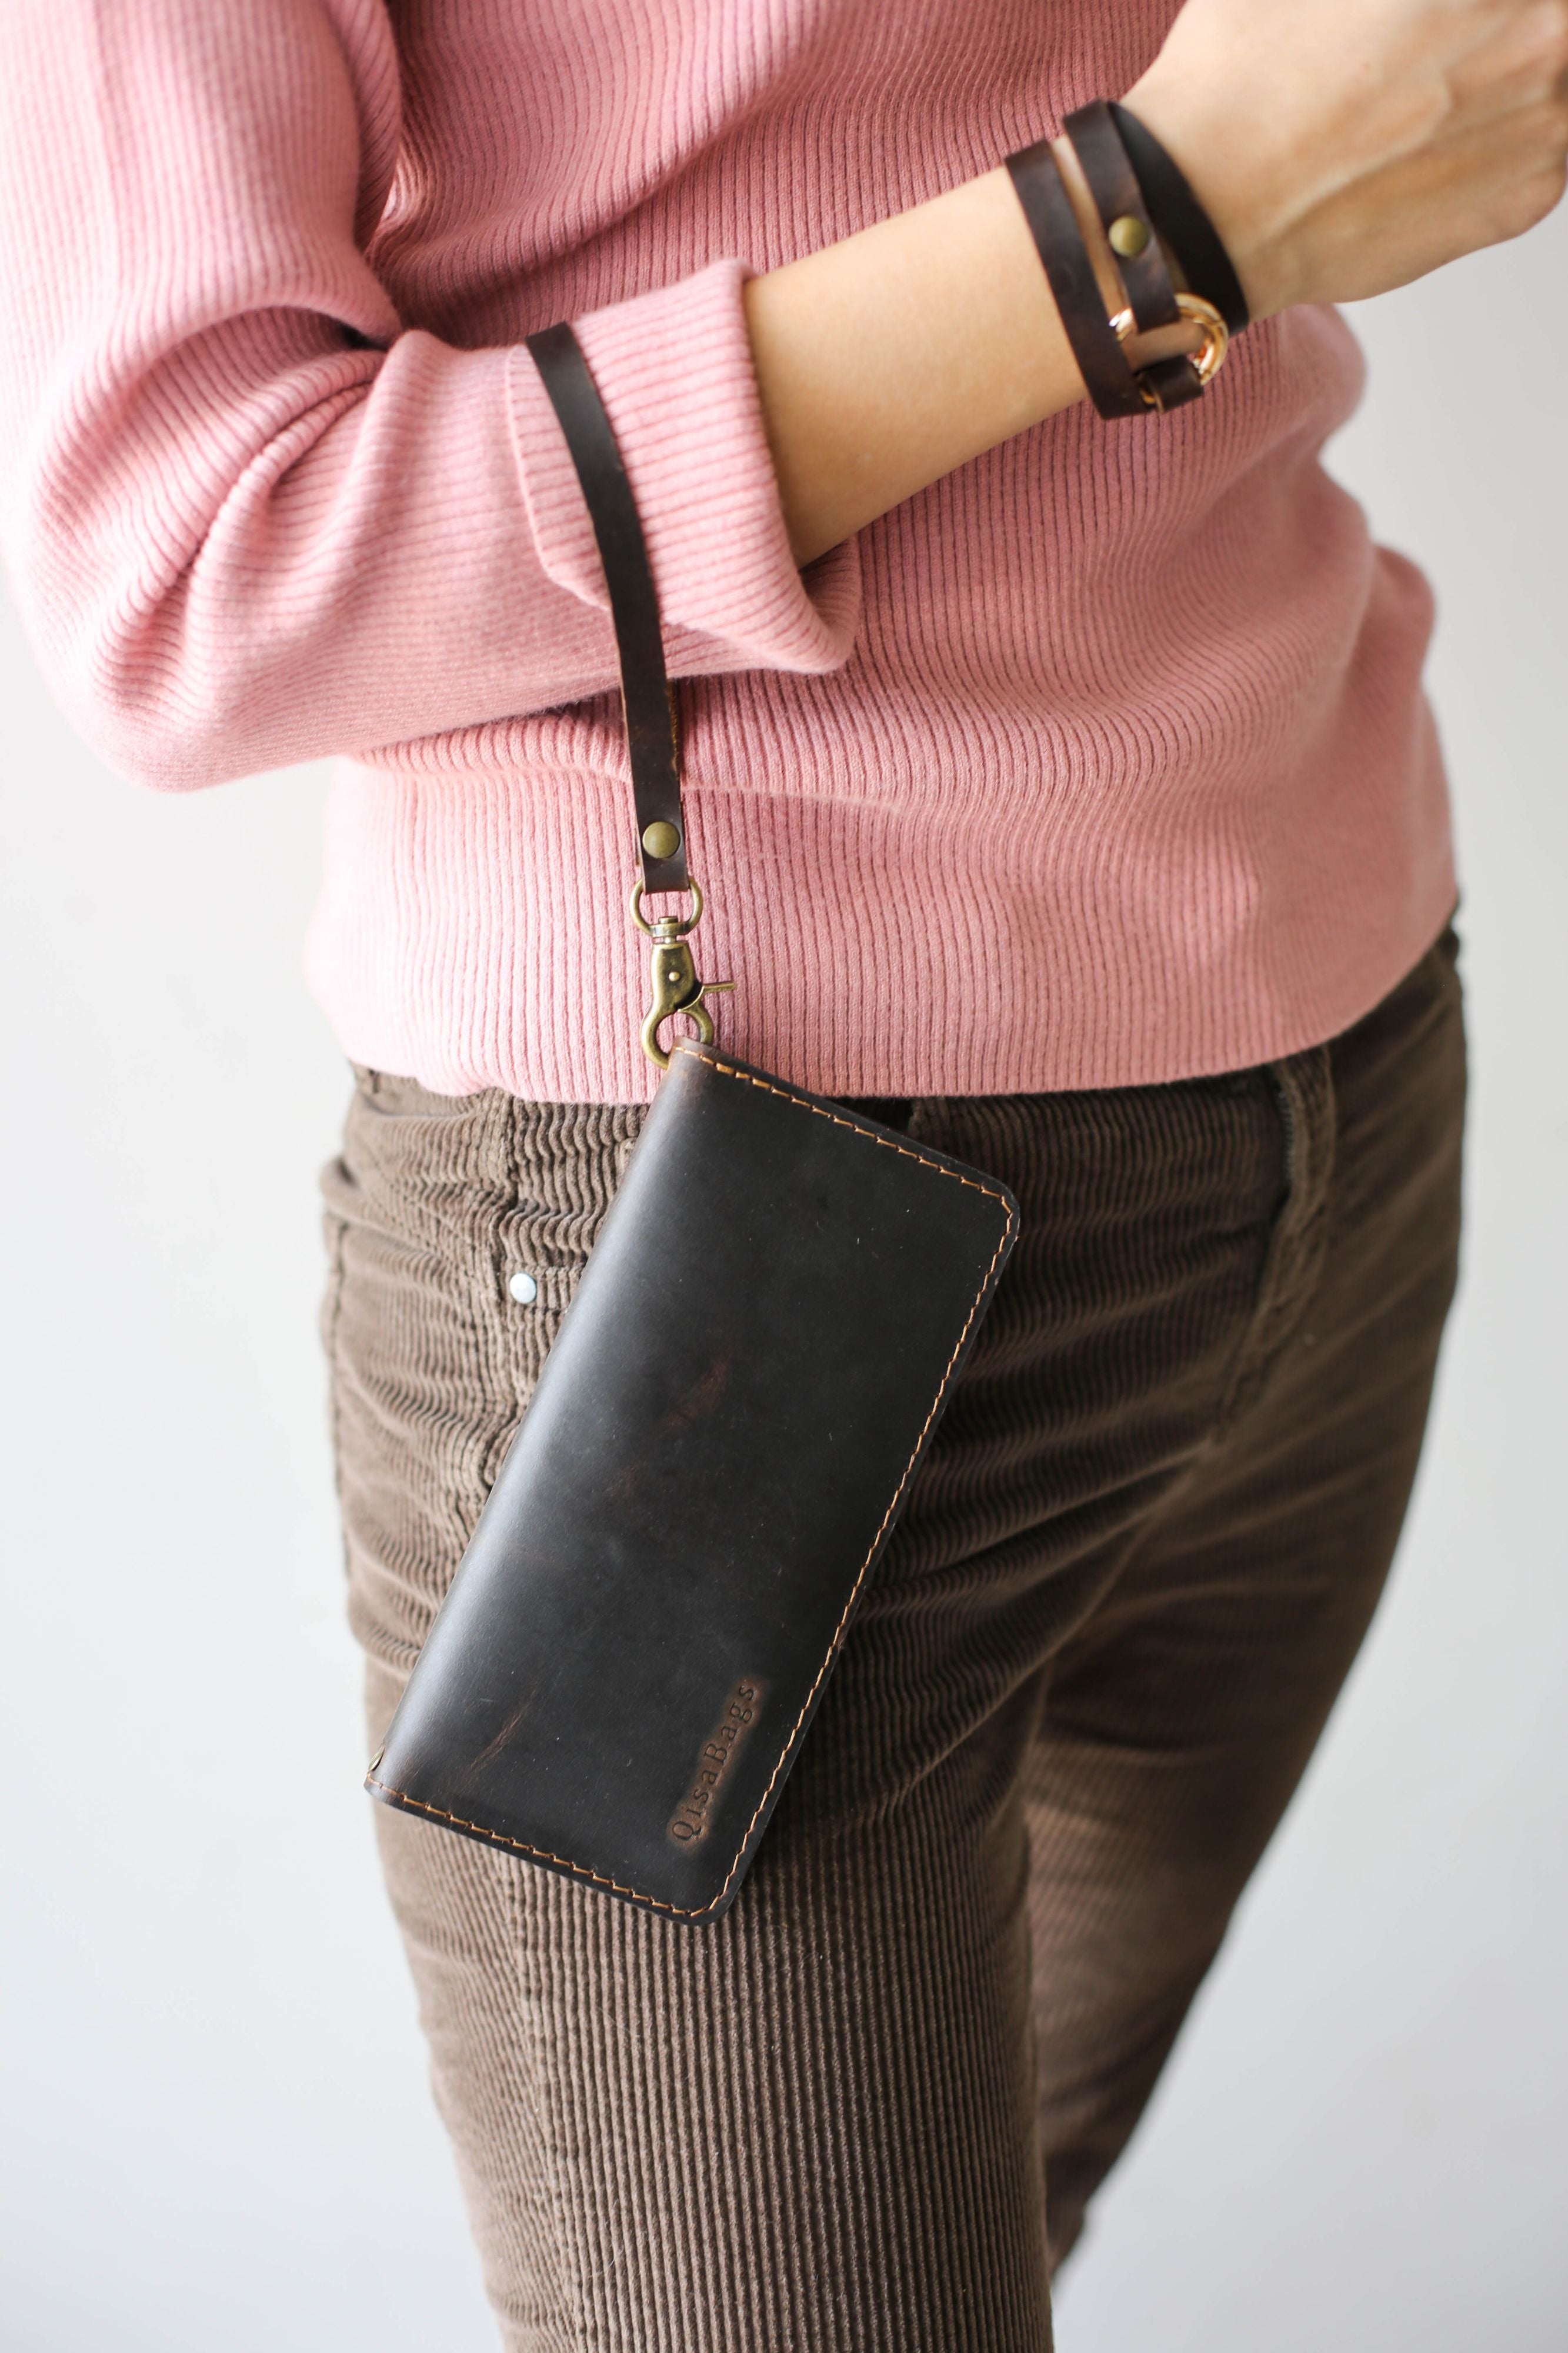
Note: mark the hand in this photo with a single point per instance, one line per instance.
(1343, 147)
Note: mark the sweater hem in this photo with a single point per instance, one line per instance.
(497, 952)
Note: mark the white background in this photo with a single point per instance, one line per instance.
(218, 2136)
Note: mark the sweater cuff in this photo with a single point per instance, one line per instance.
(674, 371)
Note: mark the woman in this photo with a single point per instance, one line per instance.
(1065, 790)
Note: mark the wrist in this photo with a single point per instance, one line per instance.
(1227, 181)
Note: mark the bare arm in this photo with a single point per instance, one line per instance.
(1341, 147)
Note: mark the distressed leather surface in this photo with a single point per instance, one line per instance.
(720, 1440)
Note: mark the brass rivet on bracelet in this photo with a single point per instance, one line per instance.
(661, 839)
(1127, 236)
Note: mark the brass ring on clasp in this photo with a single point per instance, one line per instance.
(669, 928)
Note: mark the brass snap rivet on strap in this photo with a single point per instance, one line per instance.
(661, 839)
(1127, 236)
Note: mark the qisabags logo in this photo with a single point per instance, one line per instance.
(691, 1817)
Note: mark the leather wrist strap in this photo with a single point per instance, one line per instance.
(651, 734)
(1053, 224)
(634, 606)
(1119, 200)
(1180, 221)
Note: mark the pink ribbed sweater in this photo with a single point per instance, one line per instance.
(1103, 760)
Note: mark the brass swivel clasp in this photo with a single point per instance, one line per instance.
(673, 973)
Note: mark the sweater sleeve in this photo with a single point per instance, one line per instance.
(250, 515)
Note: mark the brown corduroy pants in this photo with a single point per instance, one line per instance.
(863, 2113)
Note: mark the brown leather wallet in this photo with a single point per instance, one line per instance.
(720, 1440)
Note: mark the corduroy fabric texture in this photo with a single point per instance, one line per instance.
(1102, 761)
(1081, 1689)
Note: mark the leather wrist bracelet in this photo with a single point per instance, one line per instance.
(1152, 298)
(1064, 258)
(1180, 220)
(1152, 302)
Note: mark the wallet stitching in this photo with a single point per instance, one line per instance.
(888, 1143)
(601, 1879)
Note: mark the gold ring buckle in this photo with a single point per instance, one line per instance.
(1208, 361)
(1216, 335)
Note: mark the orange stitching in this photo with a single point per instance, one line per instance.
(584, 1871)
(499, 1838)
(787, 1095)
